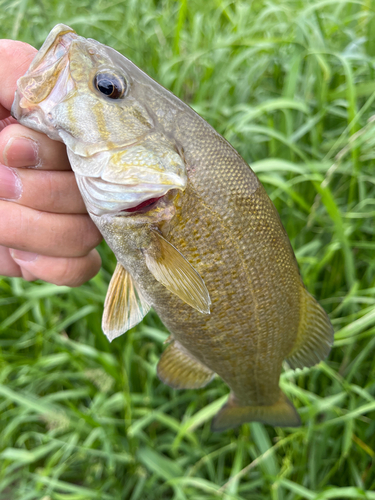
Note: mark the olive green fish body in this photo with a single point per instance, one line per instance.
(236, 242)
(194, 232)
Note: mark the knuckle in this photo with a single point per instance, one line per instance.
(68, 272)
(77, 270)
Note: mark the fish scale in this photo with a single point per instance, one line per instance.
(195, 235)
(243, 313)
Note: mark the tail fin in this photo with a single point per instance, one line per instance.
(280, 414)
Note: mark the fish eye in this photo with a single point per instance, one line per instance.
(111, 85)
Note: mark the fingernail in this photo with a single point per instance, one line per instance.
(22, 255)
(10, 184)
(21, 152)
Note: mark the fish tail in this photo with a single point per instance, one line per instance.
(280, 414)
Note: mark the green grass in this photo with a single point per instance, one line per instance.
(292, 85)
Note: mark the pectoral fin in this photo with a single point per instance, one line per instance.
(124, 305)
(180, 370)
(173, 271)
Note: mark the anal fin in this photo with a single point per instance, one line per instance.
(180, 370)
(315, 335)
(280, 414)
(124, 306)
(171, 269)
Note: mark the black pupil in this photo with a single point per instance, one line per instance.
(106, 87)
(110, 85)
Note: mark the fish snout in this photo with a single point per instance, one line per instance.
(46, 82)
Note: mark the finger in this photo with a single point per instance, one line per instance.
(60, 271)
(26, 275)
(4, 113)
(8, 267)
(9, 120)
(55, 235)
(14, 62)
(55, 192)
(23, 147)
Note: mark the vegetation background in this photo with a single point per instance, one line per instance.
(290, 83)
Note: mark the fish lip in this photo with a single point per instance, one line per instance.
(49, 60)
(56, 35)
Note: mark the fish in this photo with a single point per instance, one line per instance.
(194, 232)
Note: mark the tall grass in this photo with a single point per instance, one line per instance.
(291, 85)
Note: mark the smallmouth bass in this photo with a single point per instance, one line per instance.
(195, 235)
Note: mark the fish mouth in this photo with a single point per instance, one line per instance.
(46, 82)
(47, 69)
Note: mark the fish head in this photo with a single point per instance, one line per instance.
(112, 118)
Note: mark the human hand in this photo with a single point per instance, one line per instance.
(45, 231)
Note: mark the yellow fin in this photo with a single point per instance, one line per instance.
(172, 270)
(124, 306)
(315, 336)
(280, 414)
(180, 370)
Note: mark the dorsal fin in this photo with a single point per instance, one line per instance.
(171, 269)
(315, 335)
(124, 306)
